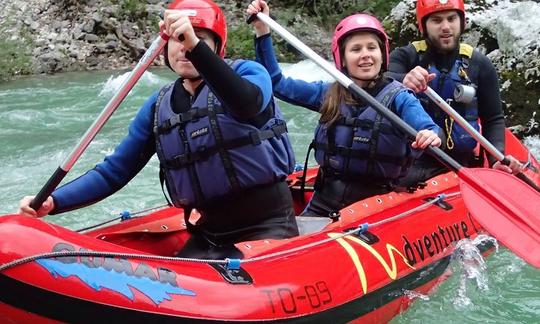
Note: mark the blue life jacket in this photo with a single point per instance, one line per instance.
(459, 143)
(362, 143)
(205, 154)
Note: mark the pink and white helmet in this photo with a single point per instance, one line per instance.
(355, 23)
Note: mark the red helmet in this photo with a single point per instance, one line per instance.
(425, 8)
(355, 23)
(207, 15)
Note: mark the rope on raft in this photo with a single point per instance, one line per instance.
(233, 264)
(125, 215)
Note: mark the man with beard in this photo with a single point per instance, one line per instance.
(441, 62)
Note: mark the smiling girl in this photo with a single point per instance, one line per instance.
(360, 153)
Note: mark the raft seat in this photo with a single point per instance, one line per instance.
(309, 224)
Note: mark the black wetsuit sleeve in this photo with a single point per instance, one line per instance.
(242, 97)
(489, 105)
(401, 62)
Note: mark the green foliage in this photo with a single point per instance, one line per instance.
(329, 13)
(132, 10)
(153, 23)
(522, 94)
(285, 52)
(15, 54)
(240, 45)
(240, 42)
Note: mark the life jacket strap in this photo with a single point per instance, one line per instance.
(304, 173)
(204, 152)
(365, 124)
(180, 119)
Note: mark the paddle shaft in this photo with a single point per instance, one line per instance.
(356, 90)
(434, 96)
(145, 61)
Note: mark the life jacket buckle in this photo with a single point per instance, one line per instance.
(255, 138)
(180, 160)
(178, 119)
(277, 130)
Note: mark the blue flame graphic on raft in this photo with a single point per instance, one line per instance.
(98, 278)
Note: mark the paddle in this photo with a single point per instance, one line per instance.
(475, 134)
(488, 194)
(145, 61)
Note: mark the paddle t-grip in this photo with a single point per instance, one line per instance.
(47, 189)
(250, 19)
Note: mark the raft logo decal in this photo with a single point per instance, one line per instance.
(116, 274)
(435, 242)
(391, 270)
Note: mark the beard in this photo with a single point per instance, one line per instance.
(444, 45)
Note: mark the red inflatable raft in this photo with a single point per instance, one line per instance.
(334, 272)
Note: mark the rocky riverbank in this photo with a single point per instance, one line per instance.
(50, 36)
(65, 35)
(80, 35)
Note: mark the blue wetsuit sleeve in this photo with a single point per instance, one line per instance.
(409, 108)
(297, 92)
(264, 54)
(116, 170)
(257, 75)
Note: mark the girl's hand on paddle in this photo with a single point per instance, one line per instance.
(26, 210)
(426, 137)
(254, 8)
(177, 25)
(417, 79)
(514, 167)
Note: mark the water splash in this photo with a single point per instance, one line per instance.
(472, 267)
(532, 123)
(306, 70)
(113, 83)
(411, 294)
(533, 143)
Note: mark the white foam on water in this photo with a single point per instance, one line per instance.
(306, 70)
(114, 83)
(411, 294)
(533, 143)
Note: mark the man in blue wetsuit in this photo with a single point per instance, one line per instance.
(443, 63)
(220, 138)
